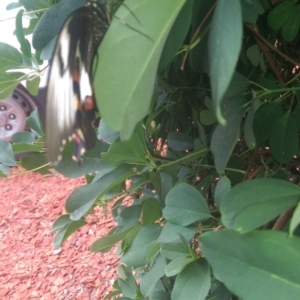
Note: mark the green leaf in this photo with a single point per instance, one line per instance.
(224, 138)
(106, 134)
(207, 117)
(257, 265)
(222, 188)
(179, 141)
(83, 198)
(25, 45)
(177, 265)
(185, 205)
(23, 148)
(295, 221)
(177, 35)
(131, 151)
(34, 122)
(253, 53)
(264, 120)
(6, 154)
(136, 254)
(280, 14)
(297, 115)
(91, 162)
(56, 16)
(171, 233)
(225, 40)
(32, 85)
(106, 243)
(248, 131)
(290, 28)
(150, 279)
(67, 231)
(251, 9)
(8, 83)
(151, 211)
(10, 57)
(36, 162)
(284, 138)
(131, 86)
(61, 222)
(253, 203)
(173, 251)
(23, 137)
(193, 282)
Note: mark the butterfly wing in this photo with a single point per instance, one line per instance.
(70, 106)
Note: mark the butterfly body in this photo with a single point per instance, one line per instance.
(70, 108)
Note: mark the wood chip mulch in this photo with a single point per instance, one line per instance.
(30, 268)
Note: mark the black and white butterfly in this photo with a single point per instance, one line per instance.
(70, 107)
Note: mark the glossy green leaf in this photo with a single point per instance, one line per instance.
(22, 148)
(56, 16)
(224, 138)
(264, 121)
(124, 90)
(6, 154)
(151, 211)
(61, 222)
(173, 251)
(290, 28)
(253, 203)
(280, 14)
(131, 151)
(253, 53)
(35, 162)
(225, 40)
(177, 265)
(8, 83)
(250, 10)
(177, 35)
(180, 141)
(248, 130)
(34, 122)
(257, 265)
(207, 117)
(66, 231)
(185, 205)
(222, 188)
(193, 282)
(104, 244)
(10, 57)
(23, 137)
(284, 138)
(25, 45)
(136, 254)
(149, 279)
(33, 84)
(83, 198)
(295, 221)
(171, 233)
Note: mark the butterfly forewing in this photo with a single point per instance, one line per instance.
(70, 105)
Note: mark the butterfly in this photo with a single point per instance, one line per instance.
(70, 104)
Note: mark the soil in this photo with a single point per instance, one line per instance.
(30, 268)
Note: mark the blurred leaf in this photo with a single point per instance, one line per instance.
(10, 57)
(264, 259)
(248, 206)
(225, 39)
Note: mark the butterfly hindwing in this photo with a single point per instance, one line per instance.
(70, 107)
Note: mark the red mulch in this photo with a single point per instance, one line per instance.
(30, 268)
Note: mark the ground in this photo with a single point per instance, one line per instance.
(30, 268)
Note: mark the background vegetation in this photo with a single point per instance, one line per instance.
(200, 114)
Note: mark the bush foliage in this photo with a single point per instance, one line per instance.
(200, 116)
